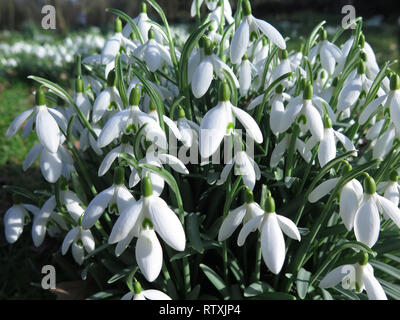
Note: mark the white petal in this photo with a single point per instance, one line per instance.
(327, 147)
(125, 222)
(101, 105)
(202, 78)
(212, 129)
(31, 156)
(349, 203)
(336, 275)
(271, 33)
(278, 152)
(18, 122)
(166, 223)
(349, 94)
(129, 295)
(255, 102)
(244, 77)
(384, 144)
(87, 240)
(108, 160)
(322, 190)
(47, 130)
(152, 294)
(78, 253)
(174, 163)
(249, 227)
(96, 207)
(72, 203)
(370, 108)
(71, 236)
(172, 126)
(367, 222)
(225, 172)
(288, 227)
(231, 222)
(14, 223)
(50, 165)
(395, 109)
(152, 57)
(346, 142)
(327, 59)
(110, 49)
(124, 198)
(391, 210)
(249, 124)
(314, 121)
(149, 254)
(272, 244)
(239, 42)
(373, 287)
(113, 128)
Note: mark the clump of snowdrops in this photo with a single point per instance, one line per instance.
(225, 166)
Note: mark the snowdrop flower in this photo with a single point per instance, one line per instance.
(244, 166)
(139, 294)
(109, 99)
(153, 53)
(282, 68)
(116, 198)
(390, 101)
(47, 214)
(245, 71)
(353, 88)
(86, 139)
(358, 277)
(15, 218)
(158, 159)
(283, 146)
(367, 221)
(329, 53)
(327, 146)
(203, 75)
(219, 121)
(141, 219)
(81, 240)
(305, 109)
(249, 25)
(144, 24)
(384, 143)
(271, 226)
(277, 110)
(80, 99)
(131, 120)
(350, 196)
(188, 129)
(52, 165)
(242, 214)
(45, 120)
(391, 188)
(216, 14)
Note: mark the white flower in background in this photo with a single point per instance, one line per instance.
(283, 67)
(327, 146)
(271, 226)
(188, 129)
(115, 198)
(245, 71)
(81, 240)
(367, 221)
(87, 140)
(391, 188)
(15, 217)
(329, 53)
(385, 142)
(52, 165)
(139, 294)
(144, 24)
(242, 214)
(46, 120)
(204, 72)
(107, 100)
(130, 121)
(216, 14)
(141, 219)
(81, 100)
(158, 159)
(249, 25)
(244, 166)
(358, 277)
(47, 215)
(350, 196)
(153, 53)
(283, 146)
(219, 121)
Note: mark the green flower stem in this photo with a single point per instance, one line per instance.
(291, 150)
(222, 22)
(257, 269)
(387, 164)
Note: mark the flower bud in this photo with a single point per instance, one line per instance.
(285, 54)
(327, 122)
(361, 41)
(79, 86)
(40, 97)
(119, 176)
(151, 34)
(394, 177)
(147, 187)
(134, 97)
(181, 113)
(143, 7)
(224, 91)
(118, 25)
(369, 184)
(394, 82)
(137, 287)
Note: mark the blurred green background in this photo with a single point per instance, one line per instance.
(20, 23)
